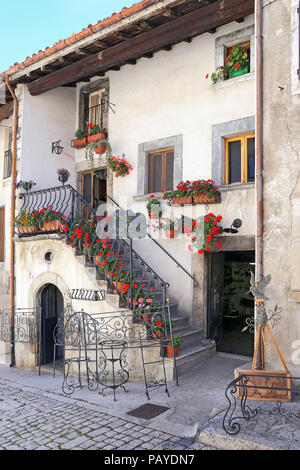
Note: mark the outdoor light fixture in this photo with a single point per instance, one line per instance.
(237, 223)
(57, 148)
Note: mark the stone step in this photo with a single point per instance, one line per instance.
(179, 322)
(190, 337)
(191, 357)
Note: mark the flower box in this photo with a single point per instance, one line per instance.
(236, 73)
(51, 226)
(182, 200)
(26, 229)
(96, 137)
(79, 144)
(203, 199)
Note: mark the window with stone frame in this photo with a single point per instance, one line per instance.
(160, 168)
(93, 104)
(240, 159)
(245, 38)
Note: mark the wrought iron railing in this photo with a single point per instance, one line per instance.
(63, 210)
(162, 249)
(264, 387)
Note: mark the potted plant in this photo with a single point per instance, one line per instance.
(169, 226)
(181, 195)
(204, 192)
(237, 63)
(63, 175)
(80, 139)
(119, 166)
(153, 208)
(95, 134)
(26, 222)
(177, 341)
(27, 185)
(92, 147)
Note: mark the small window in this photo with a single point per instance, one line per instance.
(96, 107)
(7, 170)
(240, 159)
(236, 69)
(160, 170)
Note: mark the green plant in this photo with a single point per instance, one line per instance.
(79, 134)
(167, 224)
(119, 166)
(153, 205)
(90, 149)
(177, 341)
(237, 60)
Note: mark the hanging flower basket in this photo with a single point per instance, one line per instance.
(101, 149)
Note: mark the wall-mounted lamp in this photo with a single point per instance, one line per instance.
(56, 148)
(237, 223)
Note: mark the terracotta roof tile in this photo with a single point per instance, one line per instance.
(75, 37)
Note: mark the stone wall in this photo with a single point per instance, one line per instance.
(282, 178)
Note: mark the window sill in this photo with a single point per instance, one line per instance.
(146, 197)
(233, 81)
(236, 186)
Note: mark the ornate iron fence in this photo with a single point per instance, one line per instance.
(26, 330)
(96, 347)
(241, 389)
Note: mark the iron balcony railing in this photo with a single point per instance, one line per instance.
(7, 170)
(63, 210)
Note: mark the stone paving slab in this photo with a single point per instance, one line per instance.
(36, 420)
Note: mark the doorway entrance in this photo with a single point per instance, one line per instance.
(52, 308)
(94, 187)
(229, 301)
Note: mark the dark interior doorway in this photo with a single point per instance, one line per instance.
(229, 301)
(94, 187)
(52, 308)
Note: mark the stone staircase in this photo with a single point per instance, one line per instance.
(194, 349)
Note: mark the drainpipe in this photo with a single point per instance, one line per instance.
(259, 158)
(259, 140)
(12, 219)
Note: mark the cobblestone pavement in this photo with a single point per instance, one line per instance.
(39, 421)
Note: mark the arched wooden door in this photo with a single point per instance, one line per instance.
(52, 307)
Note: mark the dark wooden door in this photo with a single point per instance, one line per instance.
(2, 233)
(52, 305)
(215, 296)
(93, 189)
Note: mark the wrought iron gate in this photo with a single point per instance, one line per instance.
(26, 330)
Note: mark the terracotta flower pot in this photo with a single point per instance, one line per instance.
(100, 150)
(119, 285)
(95, 137)
(170, 351)
(170, 233)
(158, 333)
(146, 318)
(78, 144)
(153, 215)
